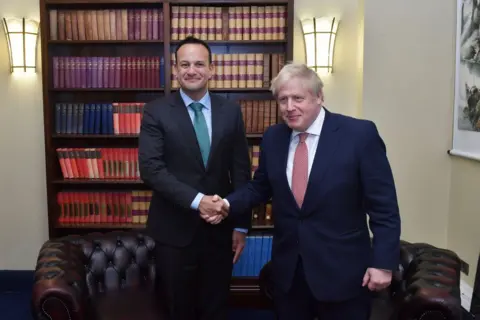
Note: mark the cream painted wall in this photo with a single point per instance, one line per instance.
(23, 217)
(408, 91)
(408, 73)
(464, 218)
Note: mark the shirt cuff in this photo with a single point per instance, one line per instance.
(226, 201)
(196, 201)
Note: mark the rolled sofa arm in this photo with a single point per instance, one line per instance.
(431, 284)
(59, 290)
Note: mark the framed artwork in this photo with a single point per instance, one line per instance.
(466, 126)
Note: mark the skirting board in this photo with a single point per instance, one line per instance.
(16, 280)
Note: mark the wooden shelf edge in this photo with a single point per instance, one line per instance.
(94, 136)
(103, 225)
(89, 2)
(234, 89)
(122, 136)
(174, 42)
(173, 2)
(227, 2)
(106, 89)
(263, 226)
(253, 42)
(96, 181)
(100, 226)
(105, 41)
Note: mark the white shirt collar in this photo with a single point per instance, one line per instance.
(205, 99)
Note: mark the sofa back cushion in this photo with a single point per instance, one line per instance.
(117, 260)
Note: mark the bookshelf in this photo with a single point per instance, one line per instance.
(103, 59)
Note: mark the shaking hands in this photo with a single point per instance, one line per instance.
(213, 209)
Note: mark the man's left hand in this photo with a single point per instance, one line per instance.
(377, 279)
(238, 244)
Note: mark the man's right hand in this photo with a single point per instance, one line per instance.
(211, 206)
(219, 216)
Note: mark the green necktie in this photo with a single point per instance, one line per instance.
(201, 129)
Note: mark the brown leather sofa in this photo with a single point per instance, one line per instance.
(111, 276)
(426, 286)
(99, 276)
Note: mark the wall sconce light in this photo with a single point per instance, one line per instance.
(319, 35)
(22, 43)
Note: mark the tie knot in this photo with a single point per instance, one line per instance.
(196, 106)
(303, 136)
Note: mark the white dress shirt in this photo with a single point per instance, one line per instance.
(312, 141)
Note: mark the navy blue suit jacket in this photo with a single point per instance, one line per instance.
(350, 178)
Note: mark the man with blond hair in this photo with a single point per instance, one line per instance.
(324, 172)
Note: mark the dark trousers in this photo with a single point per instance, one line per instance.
(194, 281)
(300, 304)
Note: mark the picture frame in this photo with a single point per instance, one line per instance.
(466, 119)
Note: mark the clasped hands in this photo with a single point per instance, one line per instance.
(213, 209)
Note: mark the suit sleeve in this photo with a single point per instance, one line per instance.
(153, 169)
(254, 193)
(380, 201)
(240, 168)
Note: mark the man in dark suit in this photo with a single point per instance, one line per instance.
(324, 172)
(192, 145)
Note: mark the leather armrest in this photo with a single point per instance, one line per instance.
(59, 290)
(431, 285)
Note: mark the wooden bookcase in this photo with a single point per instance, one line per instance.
(59, 92)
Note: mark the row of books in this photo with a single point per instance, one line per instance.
(79, 208)
(117, 118)
(106, 24)
(99, 163)
(235, 70)
(258, 115)
(241, 70)
(111, 163)
(108, 72)
(124, 118)
(130, 207)
(229, 23)
(257, 252)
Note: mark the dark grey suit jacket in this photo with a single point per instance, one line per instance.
(171, 164)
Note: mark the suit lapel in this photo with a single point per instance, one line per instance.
(182, 118)
(284, 146)
(327, 144)
(217, 125)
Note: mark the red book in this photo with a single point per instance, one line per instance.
(98, 208)
(61, 205)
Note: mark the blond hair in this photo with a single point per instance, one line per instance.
(298, 71)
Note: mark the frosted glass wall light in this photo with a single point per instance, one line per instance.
(22, 36)
(319, 35)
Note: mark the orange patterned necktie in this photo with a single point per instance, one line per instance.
(300, 170)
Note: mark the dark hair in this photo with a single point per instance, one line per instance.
(192, 39)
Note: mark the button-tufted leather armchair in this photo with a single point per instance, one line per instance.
(96, 277)
(426, 286)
